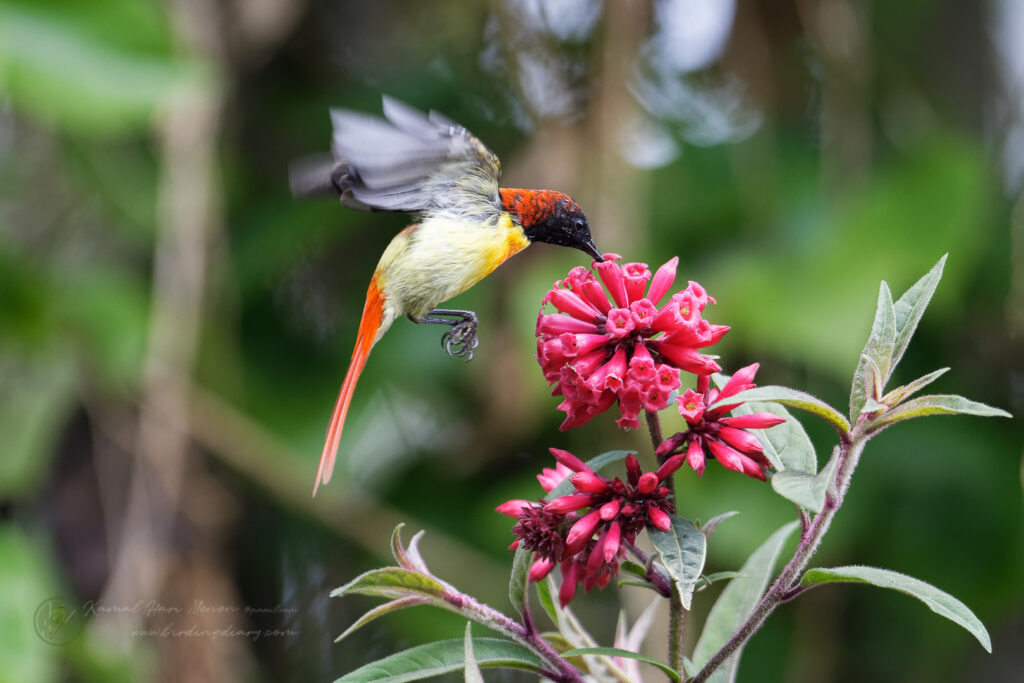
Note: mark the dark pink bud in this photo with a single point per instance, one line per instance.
(513, 508)
(612, 541)
(569, 460)
(752, 469)
(620, 323)
(610, 509)
(540, 569)
(658, 518)
(695, 457)
(669, 467)
(670, 444)
(633, 471)
(581, 532)
(596, 557)
(589, 482)
(741, 440)
(563, 505)
(572, 304)
(611, 275)
(726, 455)
(753, 421)
(663, 280)
(570, 577)
(647, 483)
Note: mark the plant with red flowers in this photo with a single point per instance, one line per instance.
(608, 343)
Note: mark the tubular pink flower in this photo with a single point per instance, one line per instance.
(695, 457)
(550, 478)
(635, 276)
(616, 345)
(753, 421)
(741, 440)
(663, 280)
(569, 460)
(570, 577)
(612, 541)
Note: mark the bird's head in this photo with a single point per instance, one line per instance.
(552, 217)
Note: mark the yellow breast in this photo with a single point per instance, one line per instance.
(443, 257)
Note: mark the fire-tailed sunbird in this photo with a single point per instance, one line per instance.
(465, 225)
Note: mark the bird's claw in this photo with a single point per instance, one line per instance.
(461, 340)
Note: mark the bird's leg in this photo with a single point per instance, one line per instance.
(461, 339)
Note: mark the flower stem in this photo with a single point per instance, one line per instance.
(782, 589)
(654, 427)
(676, 632)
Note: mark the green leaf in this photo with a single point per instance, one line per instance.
(806, 490)
(473, 674)
(683, 550)
(938, 601)
(546, 601)
(794, 399)
(878, 349)
(520, 577)
(786, 445)
(737, 602)
(381, 610)
(937, 404)
(595, 463)
(709, 579)
(441, 657)
(393, 582)
(708, 527)
(909, 309)
(633, 568)
(397, 550)
(901, 394)
(619, 652)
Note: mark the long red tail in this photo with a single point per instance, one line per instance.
(373, 311)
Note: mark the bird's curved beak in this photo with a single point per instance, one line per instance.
(590, 248)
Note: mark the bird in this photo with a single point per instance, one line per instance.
(464, 225)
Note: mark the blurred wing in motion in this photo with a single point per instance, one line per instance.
(407, 161)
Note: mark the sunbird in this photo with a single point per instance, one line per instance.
(464, 225)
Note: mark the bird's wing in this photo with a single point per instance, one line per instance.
(410, 161)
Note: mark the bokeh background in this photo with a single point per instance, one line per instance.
(174, 326)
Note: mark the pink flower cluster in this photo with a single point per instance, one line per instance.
(725, 438)
(586, 532)
(614, 344)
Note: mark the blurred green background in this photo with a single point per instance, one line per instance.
(174, 326)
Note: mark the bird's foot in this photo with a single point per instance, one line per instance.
(461, 339)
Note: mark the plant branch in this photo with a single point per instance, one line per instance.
(785, 586)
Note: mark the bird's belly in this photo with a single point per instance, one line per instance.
(441, 258)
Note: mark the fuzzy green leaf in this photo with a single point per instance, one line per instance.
(937, 404)
(901, 394)
(441, 657)
(938, 601)
(794, 399)
(683, 549)
(381, 610)
(393, 582)
(708, 527)
(546, 601)
(909, 309)
(806, 490)
(709, 579)
(520, 576)
(619, 652)
(737, 602)
(472, 669)
(878, 349)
